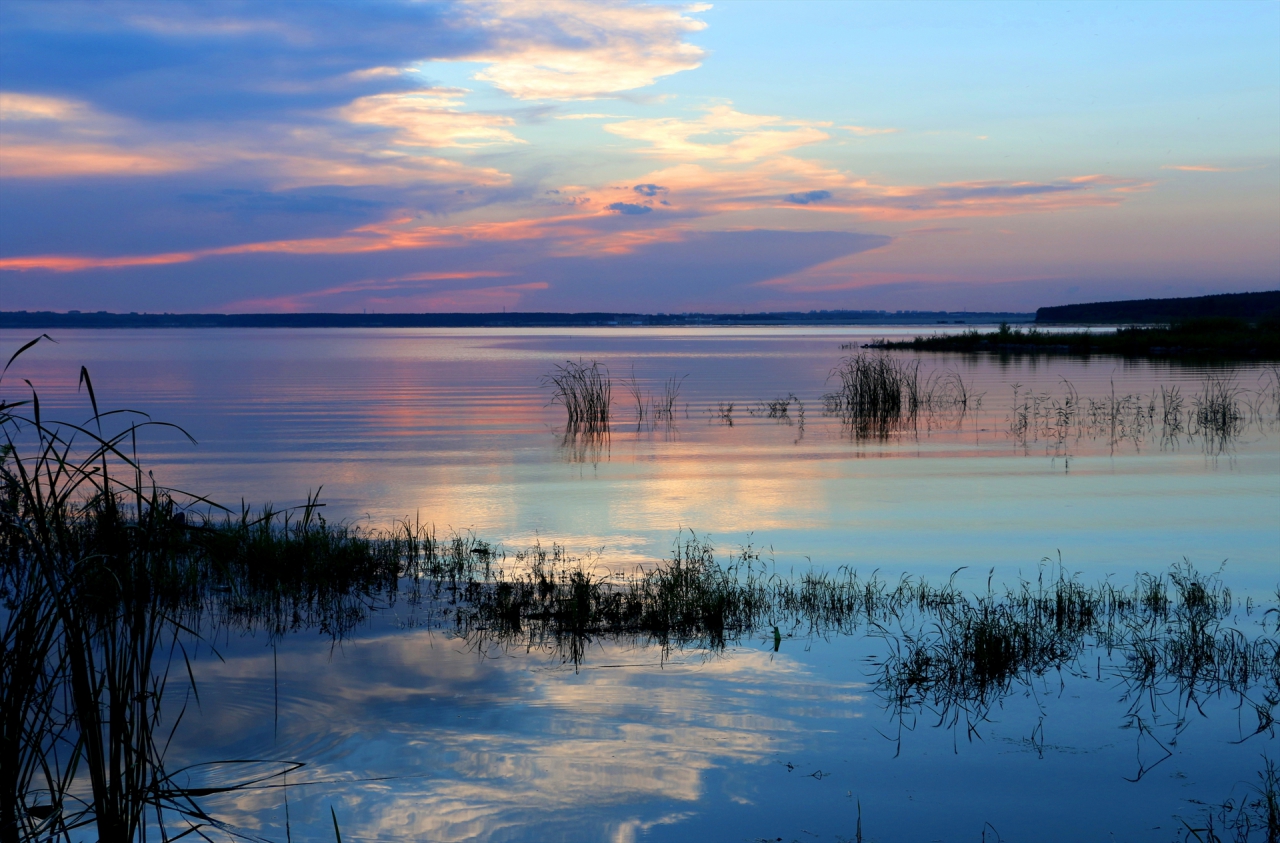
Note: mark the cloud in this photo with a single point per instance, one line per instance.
(721, 134)
(808, 196)
(377, 73)
(627, 208)
(15, 106)
(579, 50)
(422, 291)
(867, 131)
(567, 235)
(649, 189)
(588, 116)
(51, 136)
(43, 160)
(1203, 168)
(430, 118)
(779, 182)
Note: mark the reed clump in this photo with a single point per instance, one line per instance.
(876, 394)
(585, 391)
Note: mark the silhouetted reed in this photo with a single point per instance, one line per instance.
(585, 391)
(876, 395)
(880, 394)
(659, 409)
(1214, 417)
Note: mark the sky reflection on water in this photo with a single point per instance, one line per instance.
(452, 427)
(424, 736)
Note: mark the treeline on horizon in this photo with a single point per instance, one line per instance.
(44, 319)
(1247, 306)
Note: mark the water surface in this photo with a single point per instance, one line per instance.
(451, 741)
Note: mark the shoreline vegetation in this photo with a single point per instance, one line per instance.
(1207, 338)
(109, 582)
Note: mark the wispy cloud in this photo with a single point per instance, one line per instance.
(580, 49)
(431, 118)
(54, 137)
(47, 137)
(720, 134)
(404, 289)
(25, 107)
(867, 131)
(1203, 168)
(805, 186)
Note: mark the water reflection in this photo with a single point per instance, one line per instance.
(453, 425)
(532, 694)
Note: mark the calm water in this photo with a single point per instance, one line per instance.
(419, 735)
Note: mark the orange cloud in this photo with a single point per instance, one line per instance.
(567, 234)
(53, 160)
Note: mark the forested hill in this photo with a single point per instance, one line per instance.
(1250, 306)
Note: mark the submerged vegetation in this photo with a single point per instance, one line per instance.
(1207, 337)
(108, 581)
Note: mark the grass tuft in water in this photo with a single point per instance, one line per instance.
(585, 391)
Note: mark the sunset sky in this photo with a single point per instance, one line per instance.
(570, 156)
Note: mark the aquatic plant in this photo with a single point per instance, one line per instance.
(584, 390)
(876, 394)
(657, 409)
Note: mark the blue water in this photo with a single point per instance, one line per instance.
(453, 428)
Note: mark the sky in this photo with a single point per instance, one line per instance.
(624, 156)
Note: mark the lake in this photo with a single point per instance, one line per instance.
(1019, 467)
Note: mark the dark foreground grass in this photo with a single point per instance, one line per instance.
(107, 580)
(1208, 338)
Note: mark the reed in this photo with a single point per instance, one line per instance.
(584, 390)
(657, 409)
(876, 394)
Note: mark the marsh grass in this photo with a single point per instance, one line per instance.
(103, 581)
(1254, 807)
(1213, 419)
(659, 409)
(585, 391)
(878, 395)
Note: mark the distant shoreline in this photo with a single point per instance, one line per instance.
(1212, 337)
(43, 320)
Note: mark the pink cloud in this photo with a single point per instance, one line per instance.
(1203, 168)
